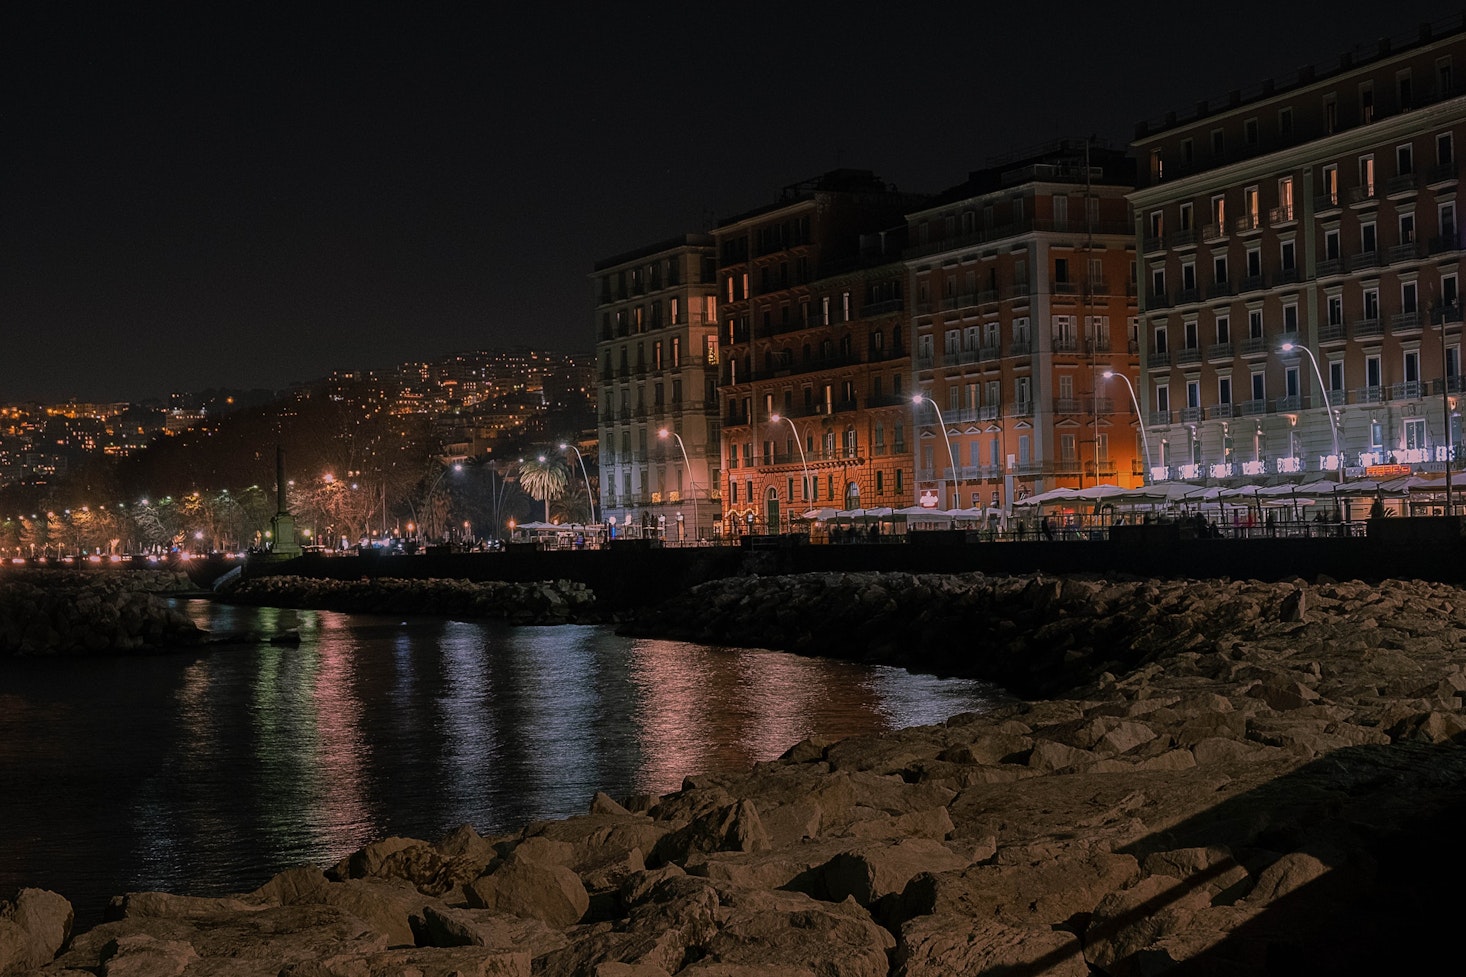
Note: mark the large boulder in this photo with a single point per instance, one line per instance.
(34, 926)
(550, 893)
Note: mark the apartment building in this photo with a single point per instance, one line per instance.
(1022, 283)
(816, 362)
(656, 362)
(1300, 271)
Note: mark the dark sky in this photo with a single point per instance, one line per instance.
(242, 195)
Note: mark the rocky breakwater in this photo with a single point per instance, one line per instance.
(539, 602)
(1280, 793)
(49, 612)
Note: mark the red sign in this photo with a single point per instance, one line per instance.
(1386, 471)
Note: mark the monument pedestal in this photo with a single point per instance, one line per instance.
(285, 541)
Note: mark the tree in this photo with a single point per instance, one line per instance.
(544, 477)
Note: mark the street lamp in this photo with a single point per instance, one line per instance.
(664, 434)
(803, 463)
(1144, 441)
(588, 492)
(956, 478)
(1324, 391)
(428, 498)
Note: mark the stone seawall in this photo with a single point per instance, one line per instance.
(1271, 781)
(538, 602)
(48, 612)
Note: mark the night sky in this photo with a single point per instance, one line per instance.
(246, 196)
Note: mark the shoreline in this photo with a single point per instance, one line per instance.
(1261, 773)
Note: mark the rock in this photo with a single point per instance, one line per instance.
(550, 893)
(444, 926)
(946, 945)
(788, 929)
(1126, 922)
(34, 926)
(733, 828)
(143, 956)
(871, 872)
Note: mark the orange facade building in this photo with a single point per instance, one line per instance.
(815, 378)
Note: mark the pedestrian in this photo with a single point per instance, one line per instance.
(1377, 507)
(1047, 528)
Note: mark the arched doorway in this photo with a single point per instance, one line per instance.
(771, 508)
(852, 495)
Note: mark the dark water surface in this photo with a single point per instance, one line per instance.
(208, 772)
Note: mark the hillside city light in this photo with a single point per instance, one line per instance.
(1144, 441)
(917, 399)
(1329, 407)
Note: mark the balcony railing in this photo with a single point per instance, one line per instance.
(1364, 259)
(1021, 408)
(1408, 390)
(1190, 415)
(1332, 332)
(1250, 407)
(1020, 347)
(1219, 412)
(1066, 344)
(1369, 395)
(1286, 403)
(1188, 355)
(1366, 328)
(1220, 351)
(1159, 417)
(1404, 252)
(1404, 322)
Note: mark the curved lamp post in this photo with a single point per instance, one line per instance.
(1144, 440)
(427, 498)
(803, 463)
(664, 434)
(588, 492)
(956, 478)
(1324, 391)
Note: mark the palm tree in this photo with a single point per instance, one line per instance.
(544, 477)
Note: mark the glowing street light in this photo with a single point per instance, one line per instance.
(803, 463)
(956, 477)
(1144, 441)
(1324, 391)
(590, 494)
(664, 434)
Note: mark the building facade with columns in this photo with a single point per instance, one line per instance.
(1300, 271)
(657, 411)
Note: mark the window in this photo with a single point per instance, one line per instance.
(1188, 151)
(1159, 347)
(1330, 113)
(1188, 275)
(1331, 250)
(1368, 238)
(1157, 224)
(1249, 132)
(1290, 317)
(1219, 269)
(1285, 199)
(1404, 159)
(1330, 184)
(1366, 102)
(1162, 398)
(1443, 78)
(1224, 328)
(1187, 217)
(1407, 228)
(1409, 295)
(1219, 215)
(1192, 338)
(1224, 390)
(1290, 382)
(1336, 309)
(1193, 394)
(1366, 176)
(1404, 90)
(1285, 122)
(1371, 303)
(1373, 373)
(1411, 366)
(1259, 387)
(1336, 375)
(1061, 209)
(1218, 142)
(1446, 222)
(1288, 255)
(1158, 282)
(1254, 263)
(1445, 153)
(1254, 323)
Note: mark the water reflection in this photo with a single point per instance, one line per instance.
(231, 764)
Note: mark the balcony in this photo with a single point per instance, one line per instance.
(1368, 328)
(1100, 345)
(1220, 351)
(1365, 259)
(1333, 332)
(1184, 238)
(1401, 186)
(1362, 196)
(1156, 359)
(1325, 202)
(1066, 344)
(1329, 267)
(1405, 322)
(1188, 355)
(1249, 408)
(1248, 224)
(1104, 405)
(1409, 390)
(1442, 176)
(1443, 244)
(1020, 347)
(1214, 233)
(1220, 412)
(1188, 295)
(1217, 290)
(1254, 346)
(1368, 395)
(1190, 415)
(1409, 251)
(1022, 408)
(1446, 313)
(1281, 215)
(1067, 405)
(1159, 418)
(1254, 283)
(1286, 404)
(988, 353)
(925, 361)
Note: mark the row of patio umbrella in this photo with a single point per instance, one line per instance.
(1180, 493)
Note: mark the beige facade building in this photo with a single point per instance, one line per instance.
(656, 362)
(1301, 254)
(1022, 285)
